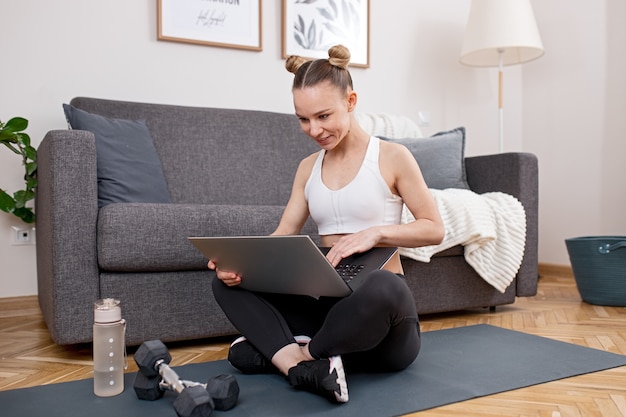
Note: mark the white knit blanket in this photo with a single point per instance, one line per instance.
(490, 226)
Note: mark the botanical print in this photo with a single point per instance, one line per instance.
(313, 26)
(318, 25)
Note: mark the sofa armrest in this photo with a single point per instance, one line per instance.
(66, 205)
(516, 174)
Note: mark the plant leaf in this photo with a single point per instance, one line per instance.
(311, 35)
(299, 40)
(16, 124)
(22, 197)
(13, 137)
(31, 153)
(26, 214)
(6, 135)
(334, 6)
(324, 13)
(7, 203)
(299, 25)
(23, 139)
(31, 167)
(31, 183)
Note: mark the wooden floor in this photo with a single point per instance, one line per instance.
(29, 357)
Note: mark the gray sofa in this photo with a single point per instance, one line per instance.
(228, 172)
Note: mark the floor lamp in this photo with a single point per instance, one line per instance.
(499, 33)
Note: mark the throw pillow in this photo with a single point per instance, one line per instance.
(441, 158)
(128, 167)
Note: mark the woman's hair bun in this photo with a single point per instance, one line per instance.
(308, 72)
(294, 62)
(339, 56)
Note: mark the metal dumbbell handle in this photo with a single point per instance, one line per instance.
(187, 384)
(165, 386)
(170, 377)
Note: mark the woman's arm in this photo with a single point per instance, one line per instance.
(427, 229)
(297, 209)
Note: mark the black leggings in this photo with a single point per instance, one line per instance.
(376, 328)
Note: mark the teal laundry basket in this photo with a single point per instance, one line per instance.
(599, 266)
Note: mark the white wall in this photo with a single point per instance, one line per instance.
(53, 51)
(574, 103)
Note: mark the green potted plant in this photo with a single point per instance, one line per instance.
(13, 137)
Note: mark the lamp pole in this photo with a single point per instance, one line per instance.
(500, 99)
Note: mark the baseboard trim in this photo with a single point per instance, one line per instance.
(19, 306)
(554, 269)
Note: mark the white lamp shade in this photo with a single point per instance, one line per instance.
(501, 25)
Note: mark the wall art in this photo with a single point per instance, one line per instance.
(311, 27)
(224, 23)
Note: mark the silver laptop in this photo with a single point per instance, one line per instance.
(290, 264)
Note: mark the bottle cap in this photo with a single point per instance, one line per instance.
(107, 310)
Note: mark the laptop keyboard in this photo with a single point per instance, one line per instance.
(348, 271)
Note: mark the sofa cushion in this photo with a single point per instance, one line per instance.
(128, 167)
(441, 158)
(153, 237)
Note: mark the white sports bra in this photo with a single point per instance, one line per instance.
(366, 201)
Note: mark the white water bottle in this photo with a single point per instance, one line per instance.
(109, 348)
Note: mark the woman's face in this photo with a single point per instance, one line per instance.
(324, 113)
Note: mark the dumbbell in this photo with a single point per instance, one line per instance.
(194, 399)
(223, 389)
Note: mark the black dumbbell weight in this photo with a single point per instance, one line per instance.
(148, 388)
(194, 401)
(224, 391)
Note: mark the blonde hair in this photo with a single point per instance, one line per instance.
(309, 73)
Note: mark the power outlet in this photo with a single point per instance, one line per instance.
(21, 235)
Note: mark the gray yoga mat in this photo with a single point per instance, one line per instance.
(454, 365)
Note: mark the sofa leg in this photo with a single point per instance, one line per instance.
(492, 309)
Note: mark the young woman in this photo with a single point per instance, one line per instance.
(354, 189)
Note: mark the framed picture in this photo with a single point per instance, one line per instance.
(311, 27)
(227, 23)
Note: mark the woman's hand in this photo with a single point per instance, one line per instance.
(229, 278)
(354, 243)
